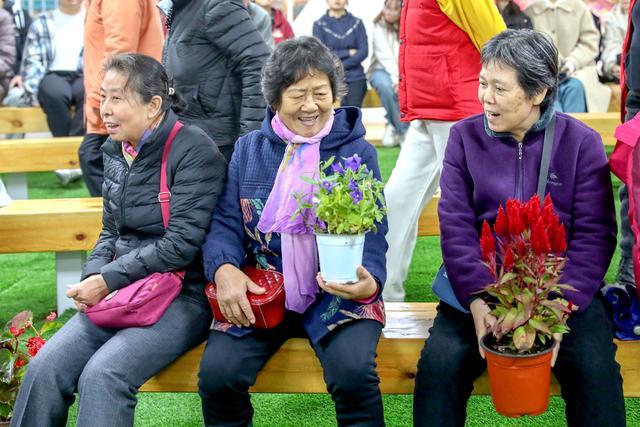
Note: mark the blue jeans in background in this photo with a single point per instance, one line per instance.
(381, 82)
(571, 97)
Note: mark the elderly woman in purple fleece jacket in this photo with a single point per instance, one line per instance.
(490, 158)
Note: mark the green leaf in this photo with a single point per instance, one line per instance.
(50, 326)
(6, 365)
(537, 324)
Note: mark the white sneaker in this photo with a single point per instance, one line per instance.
(389, 138)
(67, 176)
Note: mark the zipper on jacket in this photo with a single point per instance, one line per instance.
(124, 188)
(519, 173)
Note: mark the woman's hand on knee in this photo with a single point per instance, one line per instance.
(482, 320)
(88, 292)
(364, 288)
(232, 287)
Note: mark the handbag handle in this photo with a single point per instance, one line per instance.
(164, 196)
(546, 158)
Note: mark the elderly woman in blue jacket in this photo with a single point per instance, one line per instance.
(490, 158)
(301, 81)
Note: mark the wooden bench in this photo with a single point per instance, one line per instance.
(22, 120)
(70, 227)
(295, 368)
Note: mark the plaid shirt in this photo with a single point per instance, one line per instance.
(38, 54)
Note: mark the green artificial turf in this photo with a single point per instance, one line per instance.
(27, 281)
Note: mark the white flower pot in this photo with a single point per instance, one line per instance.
(340, 256)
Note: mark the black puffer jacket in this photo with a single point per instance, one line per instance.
(133, 231)
(214, 55)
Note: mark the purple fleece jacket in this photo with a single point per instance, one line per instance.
(483, 169)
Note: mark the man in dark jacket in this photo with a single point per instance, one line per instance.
(213, 54)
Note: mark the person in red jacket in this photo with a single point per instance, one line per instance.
(280, 27)
(439, 63)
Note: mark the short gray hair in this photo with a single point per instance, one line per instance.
(532, 55)
(293, 60)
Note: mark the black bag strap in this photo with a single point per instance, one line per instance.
(546, 158)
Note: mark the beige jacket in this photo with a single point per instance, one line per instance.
(571, 26)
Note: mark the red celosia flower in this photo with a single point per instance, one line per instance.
(500, 226)
(508, 259)
(557, 238)
(539, 239)
(547, 200)
(487, 242)
(548, 215)
(515, 216)
(34, 344)
(522, 248)
(533, 210)
(52, 316)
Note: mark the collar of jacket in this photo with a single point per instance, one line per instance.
(154, 143)
(539, 7)
(541, 124)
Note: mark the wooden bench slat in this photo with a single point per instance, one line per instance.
(50, 225)
(295, 368)
(22, 120)
(39, 154)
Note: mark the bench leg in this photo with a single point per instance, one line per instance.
(16, 184)
(68, 271)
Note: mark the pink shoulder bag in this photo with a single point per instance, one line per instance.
(144, 301)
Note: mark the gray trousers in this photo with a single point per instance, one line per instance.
(105, 366)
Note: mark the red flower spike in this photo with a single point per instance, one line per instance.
(508, 259)
(558, 241)
(52, 316)
(539, 239)
(548, 215)
(514, 215)
(533, 210)
(500, 226)
(547, 200)
(522, 248)
(487, 242)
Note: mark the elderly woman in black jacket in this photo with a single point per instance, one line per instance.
(213, 54)
(107, 365)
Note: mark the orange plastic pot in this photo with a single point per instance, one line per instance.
(519, 383)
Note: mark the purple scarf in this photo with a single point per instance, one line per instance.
(298, 243)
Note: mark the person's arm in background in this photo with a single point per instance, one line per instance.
(7, 45)
(230, 29)
(588, 45)
(384, 52)
(361, 50)
(480, 19)
(34, 65)
(612, 42)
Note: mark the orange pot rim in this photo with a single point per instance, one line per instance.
(486, 348)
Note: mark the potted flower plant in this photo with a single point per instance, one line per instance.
(347, 203)
(19, 342)
(525, 256)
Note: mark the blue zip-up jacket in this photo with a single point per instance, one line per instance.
(235, 239)
(340, 35)
(483, 169)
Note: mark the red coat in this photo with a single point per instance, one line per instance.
(439, 65)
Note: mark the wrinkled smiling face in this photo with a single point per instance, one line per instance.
(306, 105)
(123, 113)
(506, 106)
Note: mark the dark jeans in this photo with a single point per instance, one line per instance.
(91, 162)
(230, 365)
(625, 274)
(586, 369)
(58, 91)
(355, 94)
